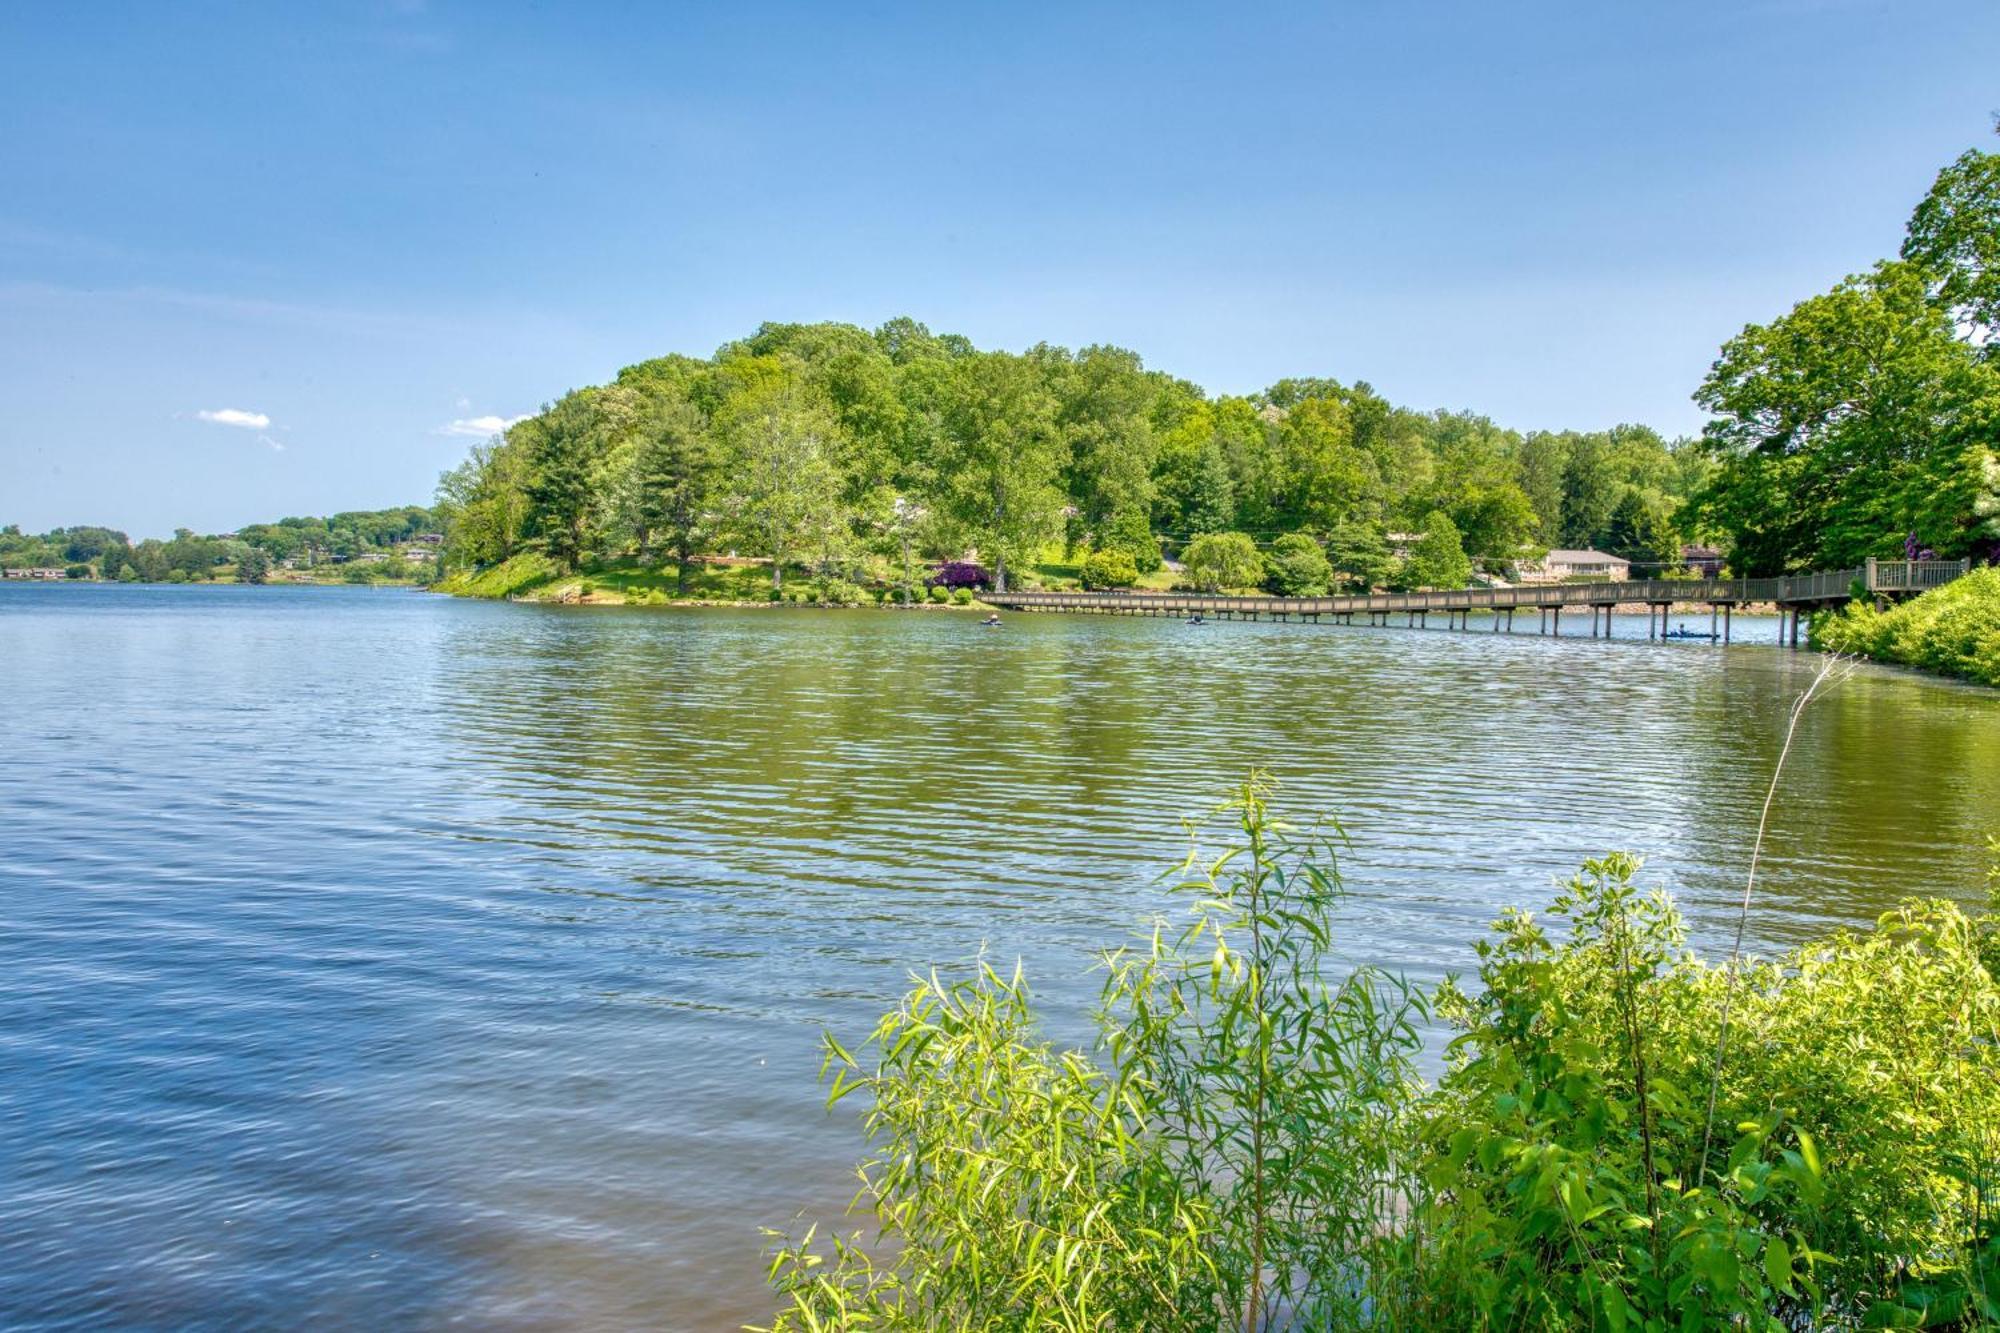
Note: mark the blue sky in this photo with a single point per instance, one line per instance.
(256, 260)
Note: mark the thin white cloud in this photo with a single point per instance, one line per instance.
(276, 447)
(236, 416)
(478, 428)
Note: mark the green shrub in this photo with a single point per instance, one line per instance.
(801, 597)
(776, 594)
(961, 596)
(1954, 629)
(1571, 1172)
(1248, 1147)
(1109, 569)
(837, 592)
(1219, 560)
(940, 594)
(585, 588)
(1297, 567)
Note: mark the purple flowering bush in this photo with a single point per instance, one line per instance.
(960, 574)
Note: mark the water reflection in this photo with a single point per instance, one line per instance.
(392, 958)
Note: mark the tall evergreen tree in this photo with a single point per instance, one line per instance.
(676, 471)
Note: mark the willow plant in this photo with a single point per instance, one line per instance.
(1223, 1159)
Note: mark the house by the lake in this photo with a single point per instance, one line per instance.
(1703, 560)
(1561, 566)
(33, 573)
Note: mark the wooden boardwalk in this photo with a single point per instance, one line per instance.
(1795, 596)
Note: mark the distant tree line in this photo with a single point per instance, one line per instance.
(821, 445)
(250, 553)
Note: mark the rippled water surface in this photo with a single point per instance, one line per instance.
(371, 957)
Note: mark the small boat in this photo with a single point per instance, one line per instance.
(991, 622)
(1690, 634)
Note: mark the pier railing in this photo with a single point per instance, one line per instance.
(1824, 587)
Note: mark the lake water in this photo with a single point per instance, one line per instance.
(373, 958)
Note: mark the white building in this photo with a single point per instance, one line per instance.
(1560, 566)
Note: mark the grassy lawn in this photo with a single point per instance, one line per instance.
(534, 576)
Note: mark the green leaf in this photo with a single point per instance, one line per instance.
(1778, 1263)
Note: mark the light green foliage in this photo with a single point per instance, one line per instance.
(1496, 523)
(837, 592)
(1438, 559)
(1248, 1148)
(1297, 567)
(961, 596)
(1954, 629)
(253, 566)
(1129, 531)
(940, 594)
(1221, 1157)
(1571, 1174)
(782, 454)
(1109, 569)
(1223, 560)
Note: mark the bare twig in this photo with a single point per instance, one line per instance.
(1833, 670)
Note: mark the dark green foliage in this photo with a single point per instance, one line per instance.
(1873, 410)
(1359, 555)
(253, 566)
(1297, 567)
(564, 446)
(1638, 532)
(676, 475)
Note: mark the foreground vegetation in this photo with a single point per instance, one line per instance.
(1626, 1137)
(1954, 629)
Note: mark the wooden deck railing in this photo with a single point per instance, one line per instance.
(1823, 587)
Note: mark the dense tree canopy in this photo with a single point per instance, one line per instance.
(1871, 413)
(820, 445)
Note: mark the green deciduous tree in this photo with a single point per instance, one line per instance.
(1954, 240)
(1220, 560)
(1003, 456)
(1438, 558)
(785, 487)
(1297, 567)
(1857, 418)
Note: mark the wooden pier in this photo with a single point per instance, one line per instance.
(1795, 596)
